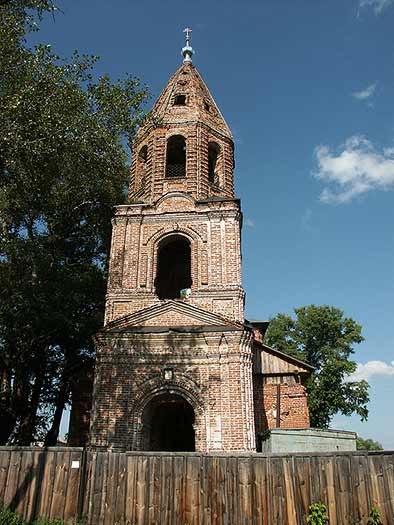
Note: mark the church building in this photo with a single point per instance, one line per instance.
(178, 367)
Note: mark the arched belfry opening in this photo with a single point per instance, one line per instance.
(176, 157)
(213, 155)
(168, 424)
(173, 267)
(143, 154)
(142, 160)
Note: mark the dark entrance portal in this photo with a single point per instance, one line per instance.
(173, 268)
(168, 420)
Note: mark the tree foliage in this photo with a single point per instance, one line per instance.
(324, 338)
(63, 166)
(368, 444)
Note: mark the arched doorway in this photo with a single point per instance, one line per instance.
(168, 424)
(173, 267)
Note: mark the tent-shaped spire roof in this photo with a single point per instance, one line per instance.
(186, 99)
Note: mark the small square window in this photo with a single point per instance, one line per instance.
(180, 100)
(168, 374)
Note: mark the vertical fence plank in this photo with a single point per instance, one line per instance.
(25, 477)
(167, 490)
(121, 491)
(213, 489)
(232, 488)
(360, 489)
(154, 484)
(301, 486)
(13, 475)
(206, 496)
(97, 488)
(377, 485)
(59, 485)
(343, 489)
(110, 486)
(290, 493)
(142, 476)
(328, 487)
(315, 480)
(85, 489)
(74, 478)
(131, 488)
(278, 492)
(5, 457)
(389, 487)
(179, 478)
(192, 490)
(222, 510)
(45, 500)
(261, 491)
(245, 490)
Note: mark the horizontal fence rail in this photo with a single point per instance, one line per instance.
(137, 488)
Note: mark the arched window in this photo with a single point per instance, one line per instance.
(180, 100)
(141, 164)
(213, 155)
(143, 153)
(176, 157)
(173, 267)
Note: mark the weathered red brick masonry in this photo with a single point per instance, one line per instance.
(178, 367)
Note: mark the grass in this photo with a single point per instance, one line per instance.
(9, 517)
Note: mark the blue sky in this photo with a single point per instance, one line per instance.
(307, 88)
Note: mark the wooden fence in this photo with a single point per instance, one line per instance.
(137, 488)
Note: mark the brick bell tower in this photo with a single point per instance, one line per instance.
(174, 359)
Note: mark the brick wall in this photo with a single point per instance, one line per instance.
(208, 370)
(281, 404)
(213, 230)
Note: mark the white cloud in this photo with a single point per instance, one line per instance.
(377, 5)
(249, 222)
(371, 369)
(357, 168)
(366, 93)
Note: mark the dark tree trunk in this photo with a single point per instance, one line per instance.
(61, 399)
(29, 419)
(7, 417)
(20, 394)
(7, 425)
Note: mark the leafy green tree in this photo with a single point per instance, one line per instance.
(323, 337)
(368, 444)
(63, 166)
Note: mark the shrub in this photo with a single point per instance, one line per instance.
(46, 521)
(8, 517)
(374, 517)
(317, 514)
(58, 521)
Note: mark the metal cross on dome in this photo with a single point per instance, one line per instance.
(188, 33)
(187, 51)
